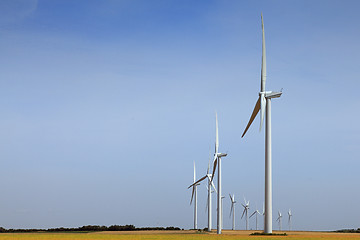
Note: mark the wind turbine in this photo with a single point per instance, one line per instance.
(256, 212)
(232, 210)
(290, 215)
(246, 209)
(217, 162)
(263, 105)
(279, 219)
(210, 183)
(194, 196)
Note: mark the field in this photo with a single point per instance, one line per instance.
(174, 235)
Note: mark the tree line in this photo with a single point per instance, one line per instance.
(349, 230)
(91, 228)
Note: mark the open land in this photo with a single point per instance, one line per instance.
(176, 235)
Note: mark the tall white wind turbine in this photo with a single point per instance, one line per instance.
(194, 196)
(217, 163)
(246, 209)
(256, 212)
(289, 221)
(279, 219)
(210, 184)
(232, 210)
(263, 105)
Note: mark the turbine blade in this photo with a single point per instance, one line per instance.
(263, 208)
(217, 135)
(192, 195)
(243, 212)
(262, 109)
(231, 198)
(212, 184)
(209, 161)
(207, 204)
(253, 115)
(192, 185)
(263, 60)
(214, 168)
(231, 208)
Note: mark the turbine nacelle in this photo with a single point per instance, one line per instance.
(272, 94)
(221, 155)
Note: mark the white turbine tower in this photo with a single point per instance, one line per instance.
(289, 221)
(263, 105)
(210, 183)
(194, 196)
(217, 162)
(256, 212)
(222, 215)
(232, 210)
(246, 209)
(279, 219)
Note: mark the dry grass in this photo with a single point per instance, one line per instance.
(175, 235)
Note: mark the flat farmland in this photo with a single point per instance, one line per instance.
(174, 235)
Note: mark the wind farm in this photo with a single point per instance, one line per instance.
(263, 105)
(179, 119)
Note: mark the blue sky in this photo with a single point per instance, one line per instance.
(105, 105)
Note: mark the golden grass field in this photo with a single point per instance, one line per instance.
(175, 235)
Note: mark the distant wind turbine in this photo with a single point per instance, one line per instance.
(279, 219)
(232, 210)
(263, 105)
(210, 184)
(246, 209)
(194, 196)
(256, 212)
(210, 191)
(217, 162)
(289, 221)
